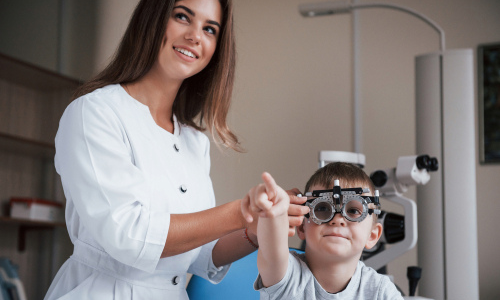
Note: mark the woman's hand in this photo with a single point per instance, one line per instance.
(266, 200)
(250, 211)
(296, 210)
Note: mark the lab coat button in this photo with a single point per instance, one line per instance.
(183, 188)
(176, 148)
(175, 280)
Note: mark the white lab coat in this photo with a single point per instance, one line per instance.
(123, 176)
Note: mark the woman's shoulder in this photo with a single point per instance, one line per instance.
(101, 95)
(98, 106)
(111, 98)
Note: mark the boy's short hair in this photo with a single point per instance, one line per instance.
(349, 176)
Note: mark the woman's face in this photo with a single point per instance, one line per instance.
(190, 39)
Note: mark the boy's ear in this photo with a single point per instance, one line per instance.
(375, 234)
(301, 231)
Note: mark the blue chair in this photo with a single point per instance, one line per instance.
(238, 283)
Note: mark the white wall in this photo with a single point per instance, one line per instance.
(293, 96)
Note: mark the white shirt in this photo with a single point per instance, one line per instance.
(123, 176)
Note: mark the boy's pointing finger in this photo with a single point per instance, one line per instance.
(270, 184)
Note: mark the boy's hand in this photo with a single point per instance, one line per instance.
(266, 199)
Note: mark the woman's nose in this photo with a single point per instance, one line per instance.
(194, 34)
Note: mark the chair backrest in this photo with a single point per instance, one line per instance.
(238, 283)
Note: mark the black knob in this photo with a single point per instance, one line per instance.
(413, 274)
(433, 164)
(422, 162)
(379, 178)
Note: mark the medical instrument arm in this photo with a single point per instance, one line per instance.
(410, 237)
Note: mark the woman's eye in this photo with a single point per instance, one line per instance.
(210, 30)
(181, 16)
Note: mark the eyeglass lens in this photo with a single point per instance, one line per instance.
(323, 211)
(354, 209)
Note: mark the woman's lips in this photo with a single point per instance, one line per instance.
(190, 53)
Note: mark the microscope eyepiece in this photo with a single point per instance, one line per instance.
(433, 164)
(422, 162)
(426, 162)
(379, 178)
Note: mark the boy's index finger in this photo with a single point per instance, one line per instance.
(270, 184)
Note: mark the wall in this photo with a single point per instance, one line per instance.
(29, 31)
(58, 35)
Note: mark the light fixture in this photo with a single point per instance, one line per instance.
(342, 7)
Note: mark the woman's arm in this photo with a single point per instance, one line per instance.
(232, 247)
(189, 231)
(224, 222)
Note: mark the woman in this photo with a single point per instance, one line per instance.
(135, 165)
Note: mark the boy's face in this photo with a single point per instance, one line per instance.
(339, 239)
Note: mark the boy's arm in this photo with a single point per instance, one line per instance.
(272, 256)
(271, 203)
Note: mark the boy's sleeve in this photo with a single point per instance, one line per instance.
(288, 287)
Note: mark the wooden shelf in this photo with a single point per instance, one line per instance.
(28, 222)
(26, 225)
(20, 145)
(26, 74)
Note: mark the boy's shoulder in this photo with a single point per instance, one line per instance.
(371, 283)
(366, 283)
(299, 255)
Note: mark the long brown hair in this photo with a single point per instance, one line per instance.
(203, 98)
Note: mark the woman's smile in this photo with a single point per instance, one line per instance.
(187, 54)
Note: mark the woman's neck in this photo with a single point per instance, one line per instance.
(159, 95)
(333, 276)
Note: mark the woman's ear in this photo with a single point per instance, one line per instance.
(301, 230)
(374, 236)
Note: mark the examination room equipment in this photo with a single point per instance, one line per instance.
(444, 82)
(392, 184)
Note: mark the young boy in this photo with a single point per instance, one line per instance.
(330, 267)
